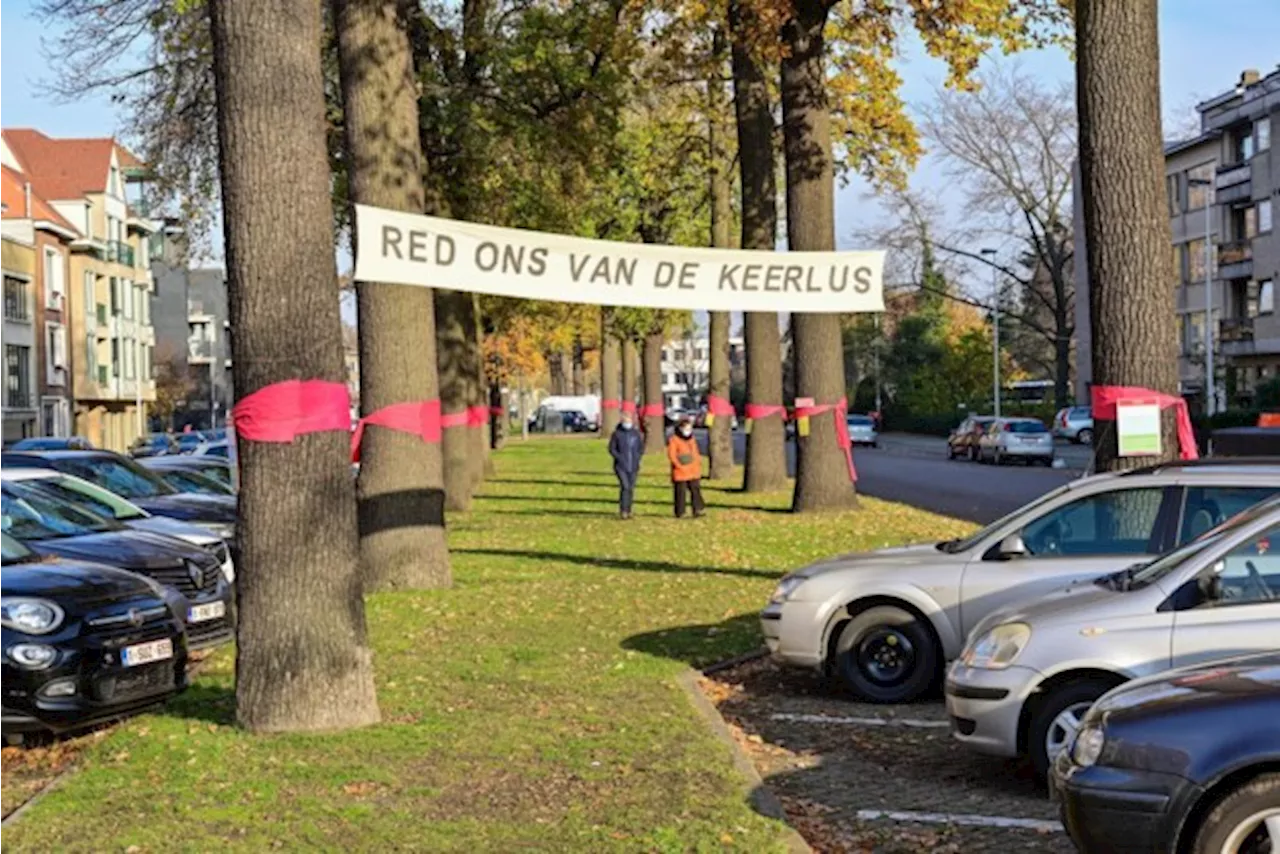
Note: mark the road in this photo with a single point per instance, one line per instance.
(915, 470)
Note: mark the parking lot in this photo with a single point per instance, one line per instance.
(859, 777)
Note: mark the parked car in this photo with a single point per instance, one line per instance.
(885, 622)
(1182, 761)
(74, 490)
(52, 443)
(1029, 673)
(862, 430)
(1025, 439)
(152, 445)
(575, 422)
(128, 479)
(188, 442)
(1075, 424)
(51, 526)
(963, 441)
(191, 482)
(83, 643)
(220, 448)
(213, 468)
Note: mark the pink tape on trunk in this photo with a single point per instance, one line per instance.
(478, 415)
(610, 403)
(281, 412)
(718, 406)
(454, 419)
(420, 418)
(1107, 397)
(629, 406)
(652, 410)
(764, 410)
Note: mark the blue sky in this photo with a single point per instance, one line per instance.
(1204, 47)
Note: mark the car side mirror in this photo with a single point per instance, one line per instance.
(1013, 546)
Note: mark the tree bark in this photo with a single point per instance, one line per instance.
(302, 656)
(1126, 223)
(822, 478)
(401, 511)
(579, 377)
(766, 462)
(455, 342)
(630, 363)
(609, 377)
(655, 439)
(720, 434)
(481, 462)
(497, 422)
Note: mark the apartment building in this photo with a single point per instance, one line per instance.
(193, 337)
(107, 302)
(686, 369)
(18, 265)
(1223, 187)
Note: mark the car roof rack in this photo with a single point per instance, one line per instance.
(1203, 462)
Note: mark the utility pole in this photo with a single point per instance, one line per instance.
(995, 331)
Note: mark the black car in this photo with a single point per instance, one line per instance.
(83, 643)
(575, 421)
(1187, 761)
(51, 526)
(214, 468)
(152, 445)
(192, 482)
(145, 488)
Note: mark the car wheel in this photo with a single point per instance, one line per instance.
(997, 457)
(973, 454)
(1242, 820)
(886, 655)
(875, 445)
(951, 451)
(1085, 436)
(1057, 719)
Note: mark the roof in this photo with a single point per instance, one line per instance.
(13, 192)
(65, 168)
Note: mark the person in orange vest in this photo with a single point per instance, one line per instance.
(686, 468)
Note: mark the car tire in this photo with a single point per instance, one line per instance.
(1073, 699)
(1085, 436)
(886, 654)
(951, 451)
(997, 458)
(1238, 815)
(973, 455)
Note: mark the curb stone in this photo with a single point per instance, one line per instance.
(761, 798)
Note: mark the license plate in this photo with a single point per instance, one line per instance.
(146, 653)
(207, 611)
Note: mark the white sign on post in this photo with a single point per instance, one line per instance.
(1138, 429)
(411, 249)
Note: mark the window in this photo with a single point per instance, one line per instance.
(15, 299)
(55, 352)
(54, 282)
(1250, 573)
(130, 295)
(123, 477)
(1119, 522)
(117, 298)
(1198, 193)
(1244, 223)
(115, 357)
(1264, 216)
(1241, 142)
(1262, 131)
(1195, 260)
(90, 295)
(1173, 186)
(1207, 507)
(113, 182)
(129, 350)
(17, 378)
(1266, 297)
(91, 358)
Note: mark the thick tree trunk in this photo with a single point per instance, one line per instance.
(455, 342)
(655, 439)
(579, 374)
(720, 434)
(497, 417)
(609, 376)
(481, 463)
(401, 508)
(1126, 223)
(822, 476)
(630, 364)
(766, 463)
(302, 655)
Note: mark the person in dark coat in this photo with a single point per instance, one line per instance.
(626, 446)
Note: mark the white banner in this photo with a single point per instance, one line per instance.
(411, 249)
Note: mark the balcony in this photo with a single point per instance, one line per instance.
(1235, 259)
(18, 398)
(121, 253)
(1233, 183)
(1236, 336)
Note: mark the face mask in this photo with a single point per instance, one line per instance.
(625, 425)
(686, 432)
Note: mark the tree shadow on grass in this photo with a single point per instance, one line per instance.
(626, 564)
(579, 484)
(201, 701)
(704, 644)
(559, 499)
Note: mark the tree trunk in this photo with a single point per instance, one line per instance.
(822, 477)
(481, 463)
(302, 655)
(401, 511)
(1061, 371)
(455, 341)
(630, 362)
(766, 463)
(655, 439)
(609, 378)
(1126, 223)
(720, 434)
(497, 417)
(579, 377)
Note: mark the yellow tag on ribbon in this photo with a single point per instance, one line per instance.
(709, 420)
(802, 425)
(746, 427)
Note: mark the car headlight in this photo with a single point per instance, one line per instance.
(785, 588)
(32, 656)
(222, 530)
(33, 616)
(1088, 746)
(229, 570)
(998, 648)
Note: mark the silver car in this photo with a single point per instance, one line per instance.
(1025, 439)
(1075, 424)
(1028, 674)
(862, 430)
(886, 622)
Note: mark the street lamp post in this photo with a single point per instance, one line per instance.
(1210, 392)
(995, 331)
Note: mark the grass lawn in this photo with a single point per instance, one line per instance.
(532, 706)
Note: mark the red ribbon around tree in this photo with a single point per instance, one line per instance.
(1106, 399)
(283, 411)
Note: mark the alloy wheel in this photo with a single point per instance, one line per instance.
(1064, 728)
(1257, 834)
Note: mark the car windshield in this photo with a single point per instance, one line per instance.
(29, 513)
(959, 545)
(216, 451)
(189, 481)
(1026, 427)
(217, 473)
(859, 420)
(73, 490)
(13, 551)
(123, 477)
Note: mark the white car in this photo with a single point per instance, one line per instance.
(886, 622)
(1028, 674)
(862, 430)
(111, 506)
(1007, 439)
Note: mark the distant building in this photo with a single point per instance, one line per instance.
(686, 370)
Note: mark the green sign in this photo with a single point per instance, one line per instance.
(1138, 429)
